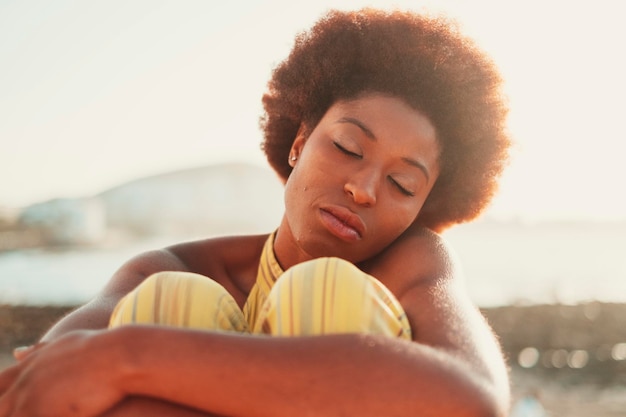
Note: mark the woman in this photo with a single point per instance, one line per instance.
(386, 129)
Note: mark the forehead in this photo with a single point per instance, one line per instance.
(386, 117)
(375, 104)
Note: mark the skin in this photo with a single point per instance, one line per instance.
(370, 164)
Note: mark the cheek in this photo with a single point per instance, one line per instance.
(291, 190)
(403, 215)
(296, 193)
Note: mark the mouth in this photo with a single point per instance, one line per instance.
(343, 223)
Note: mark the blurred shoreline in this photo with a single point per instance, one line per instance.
(505, 263)
(574, 356)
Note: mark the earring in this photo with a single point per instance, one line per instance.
(293, 158)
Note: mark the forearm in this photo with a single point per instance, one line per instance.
(330, 375)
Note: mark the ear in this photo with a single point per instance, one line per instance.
(297, 146)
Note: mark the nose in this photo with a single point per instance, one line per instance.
(362, 187)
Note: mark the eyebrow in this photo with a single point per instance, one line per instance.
(360, 125)
(418, 165)
(366, 130)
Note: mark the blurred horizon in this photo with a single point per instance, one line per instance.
(488, 216)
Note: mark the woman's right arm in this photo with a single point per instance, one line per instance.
(96, 313)
(217, 258)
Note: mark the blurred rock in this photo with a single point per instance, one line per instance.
(216, 199)
(571, 343)
(65, 221)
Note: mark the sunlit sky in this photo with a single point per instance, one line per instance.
(96, 93)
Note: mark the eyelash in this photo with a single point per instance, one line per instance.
(401, 188)
(394, 182)
(347, 152)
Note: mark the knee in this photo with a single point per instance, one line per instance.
(179, 299)
(330, 295)
(319, 286)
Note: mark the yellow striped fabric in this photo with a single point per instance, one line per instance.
(180, 299)
(321, 296)
(267, 274)
(330, 295)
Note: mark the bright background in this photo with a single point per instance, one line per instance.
(96, 93)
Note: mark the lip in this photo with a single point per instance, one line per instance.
(343, 223)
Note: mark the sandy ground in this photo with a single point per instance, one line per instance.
(597, 389)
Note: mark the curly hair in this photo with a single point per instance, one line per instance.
(422, 60)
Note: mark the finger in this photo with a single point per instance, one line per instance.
(20, 353)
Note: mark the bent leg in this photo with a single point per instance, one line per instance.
(180, 299)
(330, 295)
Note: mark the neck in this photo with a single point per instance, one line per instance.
(287, 250)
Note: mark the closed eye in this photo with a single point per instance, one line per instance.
(346, 151)
(402, 189)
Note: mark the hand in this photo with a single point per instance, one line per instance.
(73, 376)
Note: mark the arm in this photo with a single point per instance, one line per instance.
(95, 314)
(330, 376)
(228, 261)
(442, 315)
(248, 375)
(454, 367)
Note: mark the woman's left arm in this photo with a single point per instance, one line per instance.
(423, 272)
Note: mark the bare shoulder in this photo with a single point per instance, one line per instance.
(230, 261)
(422, 271)
(419, 257)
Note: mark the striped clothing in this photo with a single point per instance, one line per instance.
(321, 296)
